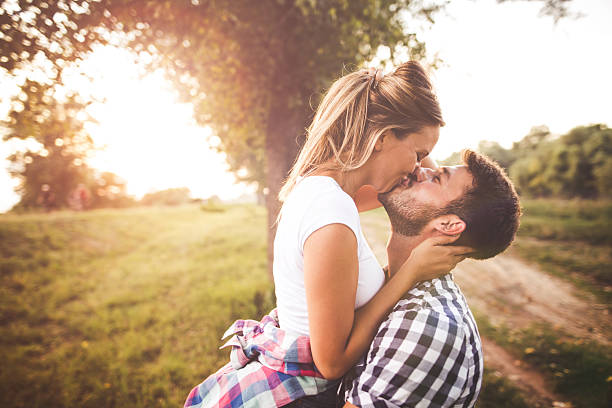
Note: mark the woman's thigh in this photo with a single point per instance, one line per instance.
(326, 399)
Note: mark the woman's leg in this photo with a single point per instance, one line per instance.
(326, 399)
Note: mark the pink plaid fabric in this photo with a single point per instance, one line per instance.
(268, 367)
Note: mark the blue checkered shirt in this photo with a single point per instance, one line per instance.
(426, 354)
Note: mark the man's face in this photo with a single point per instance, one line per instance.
(411, 205)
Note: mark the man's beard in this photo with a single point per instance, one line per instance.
(408, 217)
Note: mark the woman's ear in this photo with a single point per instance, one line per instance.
(378, 146)
(379, 143)
(449, 224)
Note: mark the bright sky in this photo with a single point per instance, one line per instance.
(506, 69)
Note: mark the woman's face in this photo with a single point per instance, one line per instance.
(394, 158)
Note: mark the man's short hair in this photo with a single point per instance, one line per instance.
(490, 208)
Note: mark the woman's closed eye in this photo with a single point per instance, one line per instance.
(421, 156)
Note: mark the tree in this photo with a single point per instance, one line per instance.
(252, 69)
(51, 168)
(53, 164)
(573, 165)
(576, 164)
(504, 157)
(104, 190)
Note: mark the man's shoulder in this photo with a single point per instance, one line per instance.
(419, 354)
(411, 319)
(427, 353)
(432, 312)
(441, 298)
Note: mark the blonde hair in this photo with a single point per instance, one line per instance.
(356, 111)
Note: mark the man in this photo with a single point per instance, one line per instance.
(428, 351)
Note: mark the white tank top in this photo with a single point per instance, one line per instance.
(315, 202)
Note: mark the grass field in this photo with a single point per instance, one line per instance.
(570, 239)
(123, 307)
(579, 370)
(112, 308)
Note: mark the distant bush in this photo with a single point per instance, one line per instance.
(171, 196)
(576, 220)
(577, 164)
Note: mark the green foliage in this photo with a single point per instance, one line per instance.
(253, 70)
(570, 239)
(124, 307)
(578, 370)
(250, 68)
(570, 166)
(171, 196)
(58, 31)
(51, 166)
(499, 392)
(503, 157)
(568, 220)
(578, 164)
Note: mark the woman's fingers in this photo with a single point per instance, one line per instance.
(461, 250)
(444, 239)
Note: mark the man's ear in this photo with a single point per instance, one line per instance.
(449, 224)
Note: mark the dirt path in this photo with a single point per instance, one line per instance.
(512, 292)
(517, 294)
(522, 375)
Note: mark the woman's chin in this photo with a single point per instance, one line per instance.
(389, 189)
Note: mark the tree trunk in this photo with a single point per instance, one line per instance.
(284, 133)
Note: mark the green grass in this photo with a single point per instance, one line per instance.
(124, 307)
(499, 392)
(568, 220)
(577, 369)
(586, 266)
(570, 239)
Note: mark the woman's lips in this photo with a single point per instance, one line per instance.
(404, 182)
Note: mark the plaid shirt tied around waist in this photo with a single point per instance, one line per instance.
(269, 367)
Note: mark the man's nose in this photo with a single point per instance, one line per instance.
(423, 174)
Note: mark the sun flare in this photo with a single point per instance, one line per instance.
(145, 134)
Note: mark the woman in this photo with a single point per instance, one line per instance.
(369, 134)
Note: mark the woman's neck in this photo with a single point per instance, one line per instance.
(349, 181)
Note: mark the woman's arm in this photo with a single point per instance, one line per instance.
(339, 335)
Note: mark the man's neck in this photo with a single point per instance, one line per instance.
(399, 249)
